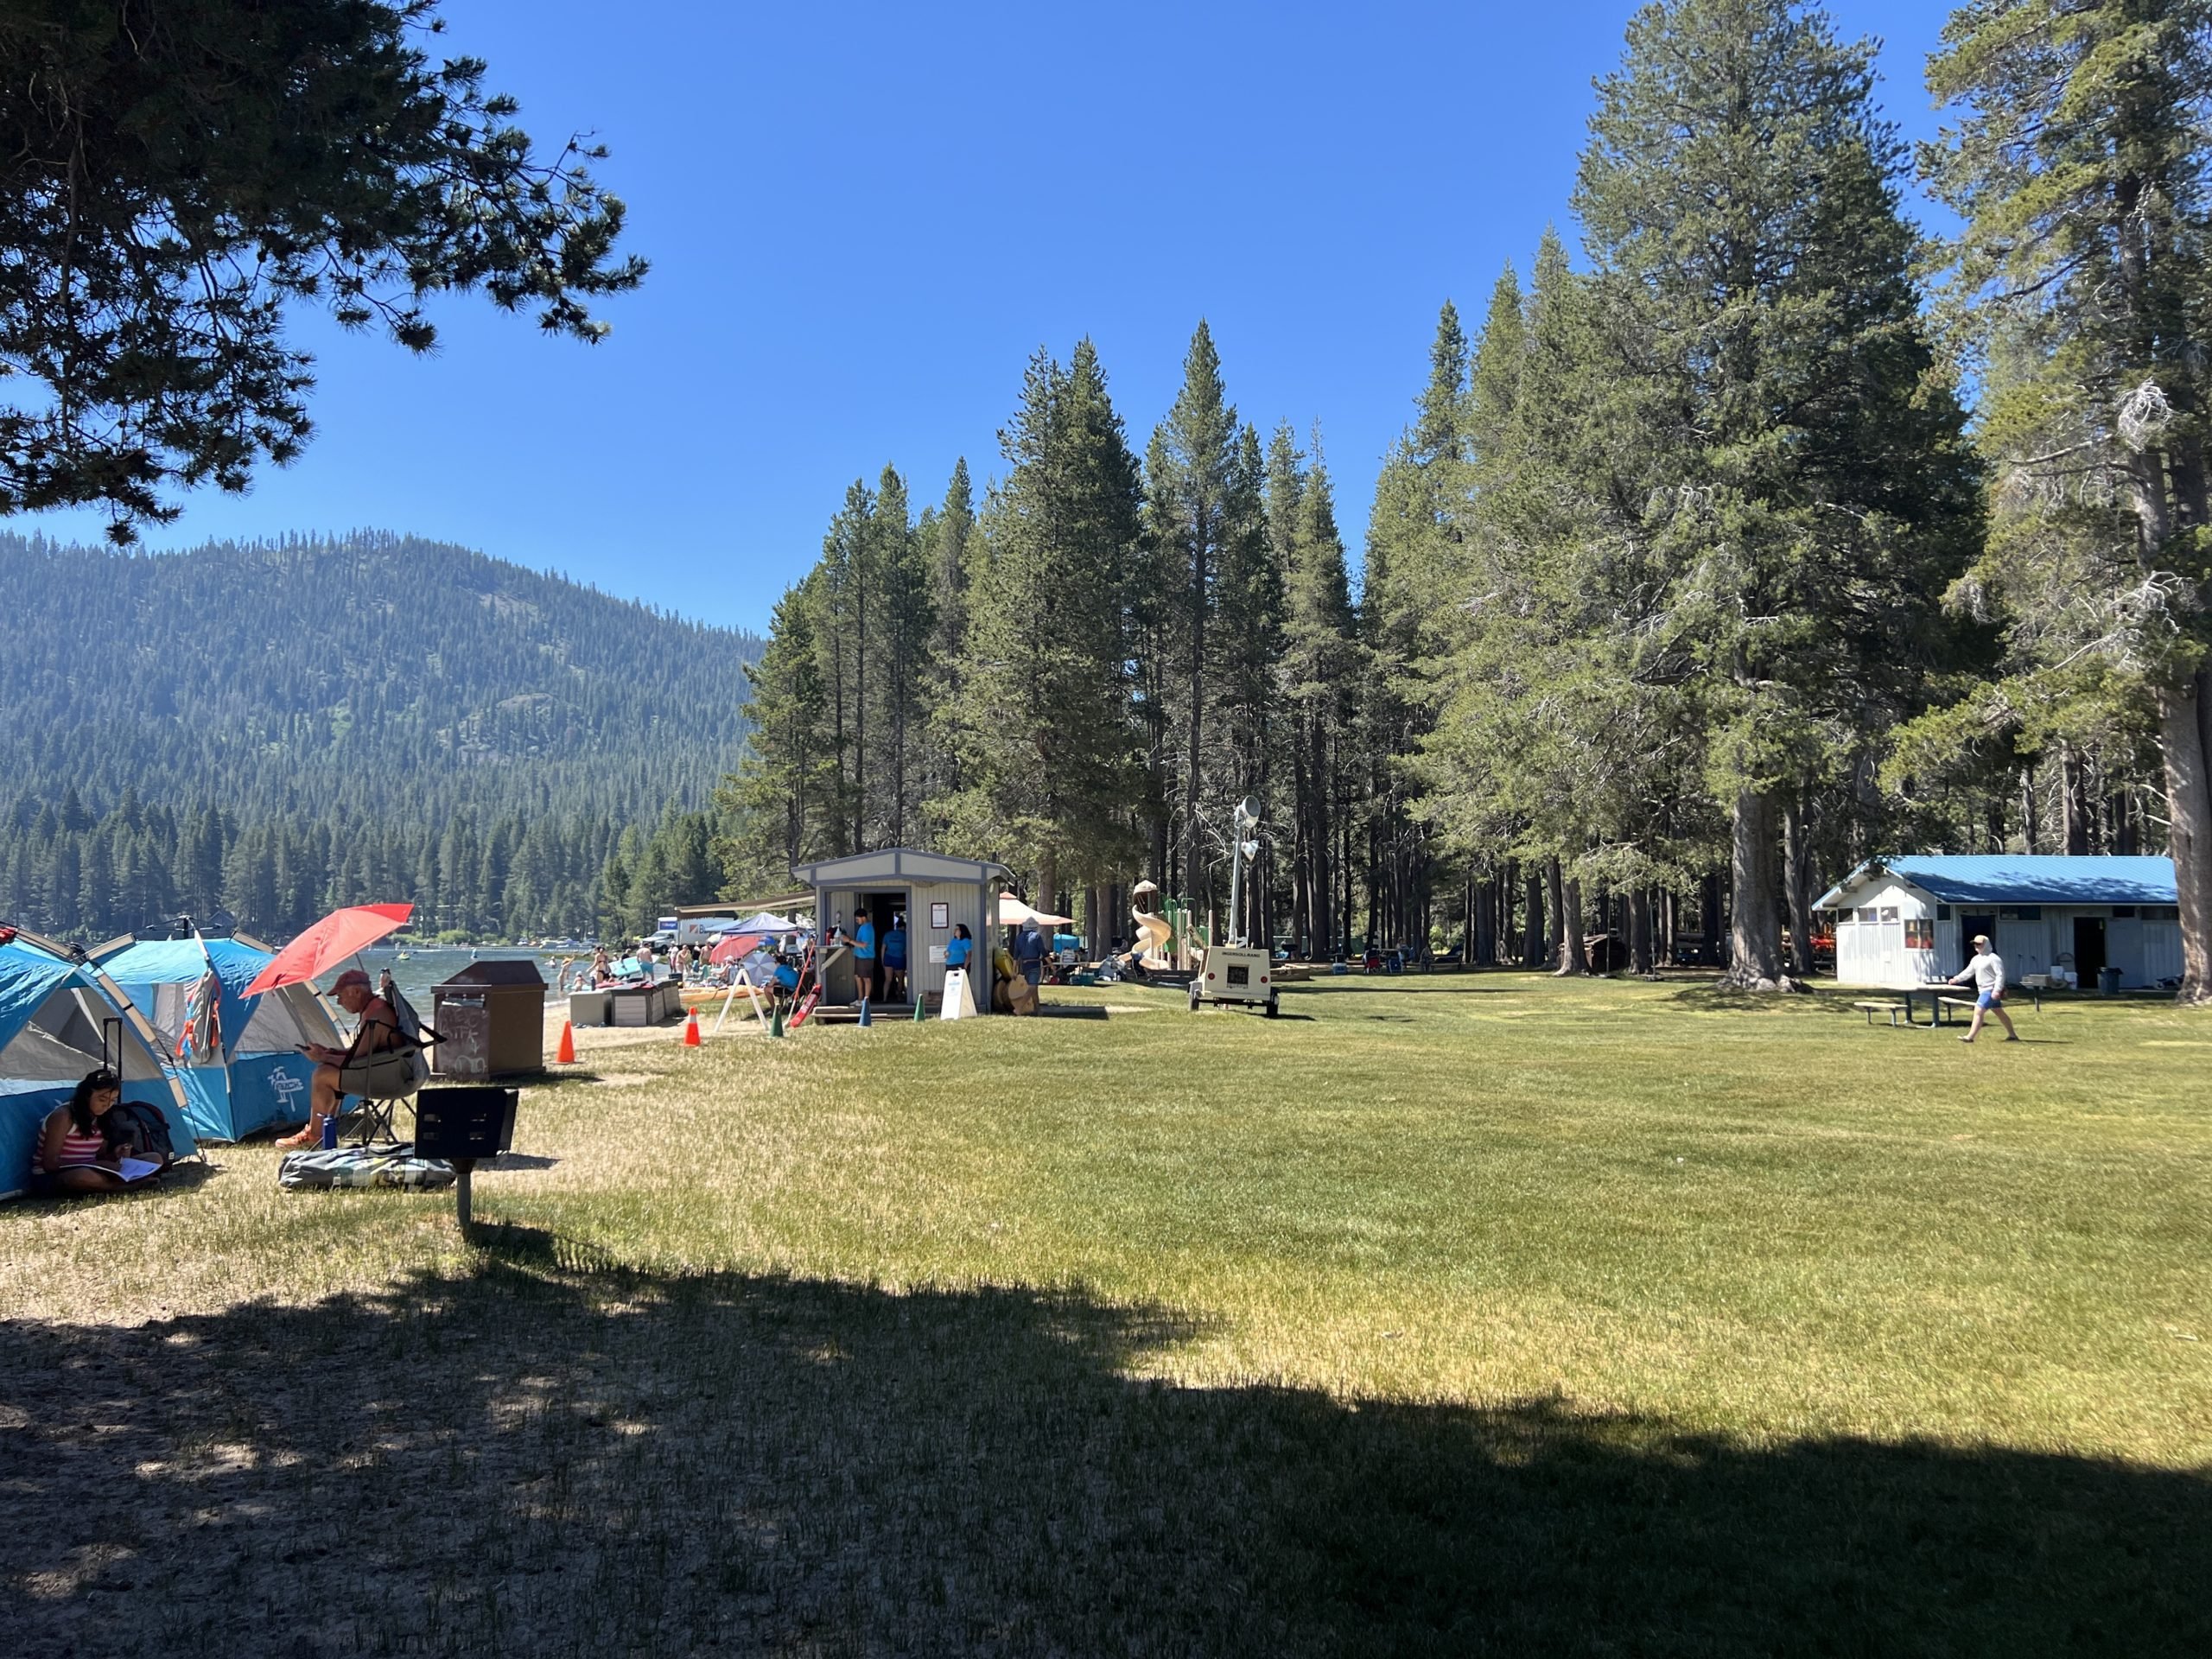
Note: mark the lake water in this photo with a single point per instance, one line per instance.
(424, 967)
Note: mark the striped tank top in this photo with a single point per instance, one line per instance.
(78, 1152)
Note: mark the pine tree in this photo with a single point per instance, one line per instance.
(1319, 661)
(2078, 165)
(1046, 730)
(1738, 200)
(893, 774)
(1197, 505)
(782, 801)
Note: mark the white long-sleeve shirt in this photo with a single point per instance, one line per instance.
(1988, 971)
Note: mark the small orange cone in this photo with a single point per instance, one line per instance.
(566, 1054)
(691, 1039)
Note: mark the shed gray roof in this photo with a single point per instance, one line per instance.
(896, 864)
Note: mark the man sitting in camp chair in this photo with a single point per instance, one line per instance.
(376, 1066)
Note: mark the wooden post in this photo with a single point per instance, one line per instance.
(465, 1167)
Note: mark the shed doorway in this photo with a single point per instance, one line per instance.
(881, 906)
(1972, 928)
(2088, 948)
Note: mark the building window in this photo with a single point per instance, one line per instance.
(1888, 913)
(2120, 911)
(2162, 913)
(1920, 936)
(1942, 913)
(2022, 913)
(1867, 913)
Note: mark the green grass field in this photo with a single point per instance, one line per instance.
(1450, 1314)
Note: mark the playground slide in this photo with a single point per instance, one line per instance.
(1152, 935)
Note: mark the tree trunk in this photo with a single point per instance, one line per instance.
(2185, 744)
(1755, 922)
(1574, 945)
(1798, 879)
(1712, 922)
(1570, 955)
(1532, 936)
(1048, 879)
(2073, 804)
(1639, 933)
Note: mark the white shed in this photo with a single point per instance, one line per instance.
(936, 894)
(1906, 921)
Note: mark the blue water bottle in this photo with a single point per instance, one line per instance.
(330, 1133)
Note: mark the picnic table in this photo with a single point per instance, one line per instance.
(1941, 995)
(1943, 998)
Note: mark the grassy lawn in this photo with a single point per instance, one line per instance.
(1462, 1313)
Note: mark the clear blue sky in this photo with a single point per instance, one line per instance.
(862, 219)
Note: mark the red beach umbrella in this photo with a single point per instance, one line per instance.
(737, 946)
(329, 942)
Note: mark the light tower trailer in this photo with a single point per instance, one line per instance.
(1237, 972)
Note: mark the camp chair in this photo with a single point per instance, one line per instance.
(377, 1109)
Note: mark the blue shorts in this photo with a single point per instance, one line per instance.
(1988, 998)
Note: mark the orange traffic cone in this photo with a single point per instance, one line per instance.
(566, 1054)
(691, 1039)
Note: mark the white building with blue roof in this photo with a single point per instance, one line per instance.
(1906, 921)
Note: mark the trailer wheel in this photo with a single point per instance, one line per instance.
(1273, 1008)
(1194, 996)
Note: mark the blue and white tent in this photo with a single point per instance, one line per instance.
(242, 1071)
(59, 1020)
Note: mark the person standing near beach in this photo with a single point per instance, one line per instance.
(1986, 971)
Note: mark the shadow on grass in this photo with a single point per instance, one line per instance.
(1401, 987)
(1713, 997)
(545, 1455)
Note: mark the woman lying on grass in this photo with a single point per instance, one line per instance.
(75, 1153)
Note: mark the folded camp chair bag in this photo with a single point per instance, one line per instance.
(390, 1166)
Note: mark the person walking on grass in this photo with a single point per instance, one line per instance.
(1986, 971)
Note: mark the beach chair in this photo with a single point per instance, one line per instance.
(375, 1119)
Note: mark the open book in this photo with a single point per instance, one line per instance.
(133, 1169)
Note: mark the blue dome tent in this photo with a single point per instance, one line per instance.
(242, 1071)
(60, 1018)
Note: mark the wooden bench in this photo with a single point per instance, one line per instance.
(1965, 1002)
(1893, 1009)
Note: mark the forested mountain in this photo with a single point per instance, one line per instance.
(274, 727)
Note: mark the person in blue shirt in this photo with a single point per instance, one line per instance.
(864, 954)
(894, 959)
(957, 948)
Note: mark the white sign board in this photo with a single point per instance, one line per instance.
(959, 1000)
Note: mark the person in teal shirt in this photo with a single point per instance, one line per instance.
(864, 954)
(955, 952)
(894, 957)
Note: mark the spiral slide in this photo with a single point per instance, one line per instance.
(1152, 937)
